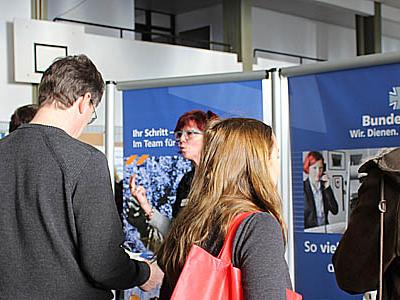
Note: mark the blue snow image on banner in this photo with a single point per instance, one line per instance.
(150, 150)
(346, 116)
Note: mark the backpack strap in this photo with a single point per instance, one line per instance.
(382, 209)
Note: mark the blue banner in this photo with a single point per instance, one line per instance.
(347, 109)
(338, 120)
(150, 150)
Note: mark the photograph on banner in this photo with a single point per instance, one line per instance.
(155, 167)
(331, 181)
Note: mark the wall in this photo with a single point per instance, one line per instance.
(291, 34)
(210, 16)
(126, 60)
(12, 95)
(119, 13)
(287, 33)
(117, 59)
(280, 32)
(261, 63)
(390, 44)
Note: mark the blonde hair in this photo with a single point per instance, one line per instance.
(232, 177)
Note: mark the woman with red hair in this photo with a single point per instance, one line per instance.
(189, 133)
(318, 195)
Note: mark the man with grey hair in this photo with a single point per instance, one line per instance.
(59, 227)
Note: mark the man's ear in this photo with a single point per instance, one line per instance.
(84, 102)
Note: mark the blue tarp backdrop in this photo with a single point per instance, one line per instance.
(347, 116)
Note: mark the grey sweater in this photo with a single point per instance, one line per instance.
(60, 233)
(258, 251)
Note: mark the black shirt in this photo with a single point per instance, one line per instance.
(182, 192)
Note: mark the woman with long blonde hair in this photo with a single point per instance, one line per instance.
(238, 172)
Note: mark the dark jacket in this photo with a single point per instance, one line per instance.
(182, 192)
(356, 260)
(310, 212)
(59, 228)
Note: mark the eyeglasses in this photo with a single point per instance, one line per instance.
(187, 134)
(94, 114)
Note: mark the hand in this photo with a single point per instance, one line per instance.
(156, 277)
(139, 193)
(325, 181)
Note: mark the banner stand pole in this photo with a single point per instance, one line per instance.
(280, 113)
(109, 127)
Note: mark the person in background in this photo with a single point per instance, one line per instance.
(319, 199)
(59, 226)
(369, 247)
(189, 132)
(22, 115)
(238, 172)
